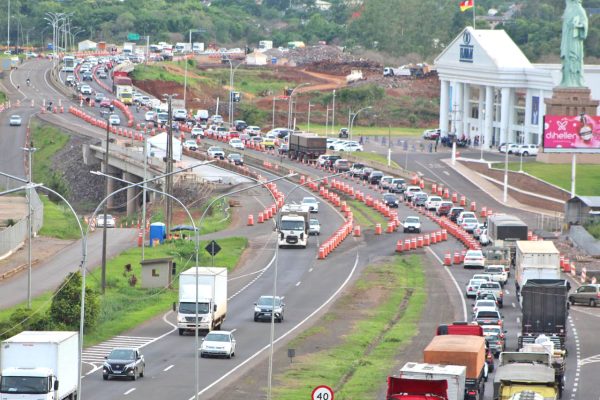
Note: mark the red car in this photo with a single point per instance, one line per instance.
(105, 103)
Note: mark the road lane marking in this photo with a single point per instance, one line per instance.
(310, 269)
(460, 293)
(447, 173)
(518, 320)
(129, 391)
(266, 347)
(168, 368)
(298, 283)
(514, 305)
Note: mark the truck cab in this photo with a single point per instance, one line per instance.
(293, 226)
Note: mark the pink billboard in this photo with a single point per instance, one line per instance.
(580, 134)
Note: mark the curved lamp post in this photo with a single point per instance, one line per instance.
(289, 125)
(354, 116)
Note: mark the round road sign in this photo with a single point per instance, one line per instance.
(322, 393)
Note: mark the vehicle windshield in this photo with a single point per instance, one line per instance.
(216, 337)
(412, 220)
(190, 308)
(24, 385)
(314, 222)
(216, 149)
(470, 220)
(495, 270)
(121, 354)
(309, 200)
(486, 303)
(235, 156)
(268, 301)
(287, 225)
(490, 286)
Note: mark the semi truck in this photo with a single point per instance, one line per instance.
(545, 310)
(293, 224)
(399, 71)
(204, 290)
(40, 365)
(416, 389)
(525, 376)
(453, 375)
(543, 344)
(304, 146)
(183, 47)
(536, 260)
(466, 350)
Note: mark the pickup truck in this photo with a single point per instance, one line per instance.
(124, 361)
(215, 152)
(498, 273)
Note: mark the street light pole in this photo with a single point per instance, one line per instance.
(354, 116)
(521, 150)
(505, 191)
(308, 121)
(105, 211)
(482, 135)
(289, 124)
(30, 150)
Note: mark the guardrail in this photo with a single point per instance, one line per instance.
(14, 236)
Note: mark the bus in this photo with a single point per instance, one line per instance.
(68, 64)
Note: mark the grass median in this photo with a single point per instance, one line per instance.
(380, 312)
(358, 131)
(364, 215)
(125, 306)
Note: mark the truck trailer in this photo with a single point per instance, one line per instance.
(416, 389)
(453, 375)
(303, 146)
(525, 373)
(204, 290)
(40, 365)
(504, 230)
(536, 260)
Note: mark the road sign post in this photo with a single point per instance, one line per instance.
(213, 248)
(322, 393)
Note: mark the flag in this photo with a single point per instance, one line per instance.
(466, 4)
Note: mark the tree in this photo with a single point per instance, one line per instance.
(66, 304)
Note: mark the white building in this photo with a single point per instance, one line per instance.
(87, 45)
(488, 85)
(256, 58)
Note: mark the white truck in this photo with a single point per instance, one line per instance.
(198, 47)
(129, 48)
(536, 260)
(183, 47)
(293, 225)
(205, 290)
(265, 45)
(355, 75)
(455, 375)
(399, 71)
(40, 365)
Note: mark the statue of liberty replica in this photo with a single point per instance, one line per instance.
(574, 32)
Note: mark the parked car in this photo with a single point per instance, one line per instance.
(473, 286)
(431, 134)
(190, 144)
(432, 203)
(15, 120)
(391, 200)
(512, 147)
(341, 165)
(216, 152)
(527, 150)
(124, 362)
(586, 294)
(218, 344)
(474, 259)
(235, 158)
(110, 221)
(314, 227)
(311, 203)
(411, 224)
(350, 146)
(268, 307)
(375, 177)
(443, 208)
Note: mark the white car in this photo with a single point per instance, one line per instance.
(85, 89)
(216, 152)
(484, 239)
(218, 344)
(338, 145)
(410, 191)
(512, 148)
(473, 286)
(483, 303)
(15, 120)
(197, 132)
(351, 146)
(474, 259)
(190, 144)
(237, 144)
(314, 228)
(252, 130)
(179, 114)
(110, 221)
(469, 224)
(463, 215)
(311, 203)
(114, 119)
(411, 224)
(527, 150)
(150, 116)
(433, 202)
(217, 119)
(498, 273)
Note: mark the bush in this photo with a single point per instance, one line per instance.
(594, 229)
(65, 308)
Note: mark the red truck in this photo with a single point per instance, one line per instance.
(416, 389)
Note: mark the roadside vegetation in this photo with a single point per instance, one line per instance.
(594, 229)
(59, 221)
(3, 97)
(365, 216)
(358, 131)
(48, 141)
(588, 175)
(124, 296)
(381, 312)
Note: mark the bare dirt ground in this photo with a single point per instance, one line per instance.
(42, 248)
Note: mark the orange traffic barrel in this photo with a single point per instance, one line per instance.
(473, 206)
(448, 259)
(456, 257)
(399, 246)
(250, 220)
(261, 218)
(378, 229)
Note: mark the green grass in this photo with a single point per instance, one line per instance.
(365, 216)
(367, 156)
(59, 222)
(217, 219)
(358, 131)
(48, 141)
(134, 305)
(587, 175)
(359, 365)
(253, 81)
(3, 97)
(594, 229)
(156, 73)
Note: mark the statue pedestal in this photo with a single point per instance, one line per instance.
(570, 102)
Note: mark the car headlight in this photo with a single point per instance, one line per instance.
(180, 318)
(256, 309)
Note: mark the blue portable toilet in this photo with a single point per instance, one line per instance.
(273, 60)
(158, 230)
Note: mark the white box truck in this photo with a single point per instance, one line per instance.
(455, 375)
(40, 365)
(203, 289)
(265, 45)
(292, 227)
(536, 260)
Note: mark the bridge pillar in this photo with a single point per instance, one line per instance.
(111, 184)
(132, 192)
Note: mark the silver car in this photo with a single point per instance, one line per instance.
(473, 286)
(314, 228)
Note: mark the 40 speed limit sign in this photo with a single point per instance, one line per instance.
(322, 393)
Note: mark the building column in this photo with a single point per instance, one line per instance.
(489, 115)
(466, 110)
(444, 107)
(540, 126)
(504, 115)
(512, 134)
(527, 126)
(457, 107)
(480, 113)
(132, 200)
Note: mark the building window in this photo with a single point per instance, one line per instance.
(155, 272)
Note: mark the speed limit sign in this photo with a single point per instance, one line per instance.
(322, 393)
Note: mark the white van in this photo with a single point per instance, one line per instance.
(201, 115)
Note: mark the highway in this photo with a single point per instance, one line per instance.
(307, 284)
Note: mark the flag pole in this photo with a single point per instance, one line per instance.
(473, 14)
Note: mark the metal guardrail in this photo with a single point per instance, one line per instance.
(14, 236)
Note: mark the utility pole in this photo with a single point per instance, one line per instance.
(333, 115)
(30, 150)
(144, 196)
(105, 207)
(169, 170)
